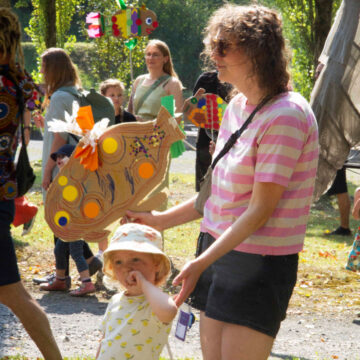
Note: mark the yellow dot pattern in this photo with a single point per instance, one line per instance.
(63, 180)
(70, 193)
(110, 145)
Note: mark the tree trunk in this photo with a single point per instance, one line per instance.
(322, 25)
(49, 11)
(5, 3)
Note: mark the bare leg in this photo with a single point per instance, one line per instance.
(344, 209)
(84, 275)
(240, 342)
(210, 337)
(103, 245)
(34, 319)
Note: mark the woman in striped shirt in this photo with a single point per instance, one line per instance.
(255, 218)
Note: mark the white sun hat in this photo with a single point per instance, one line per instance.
(139, 238)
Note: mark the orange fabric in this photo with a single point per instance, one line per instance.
(24, 211)
(88, 159)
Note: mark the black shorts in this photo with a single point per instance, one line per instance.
(9, 272)
(246, 289)
(339, 185)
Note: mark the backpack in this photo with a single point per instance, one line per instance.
(101, 106)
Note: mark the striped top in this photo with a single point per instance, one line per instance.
(279, 146)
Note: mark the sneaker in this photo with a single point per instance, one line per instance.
(95, 265)
(50, 278)
(55, 285)
(28, 226)
(83, 289)
(340, 231)
(45, 279)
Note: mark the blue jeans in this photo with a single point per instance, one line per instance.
(76, 249)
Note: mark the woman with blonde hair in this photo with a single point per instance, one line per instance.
(161, 80)
(263, 178)
(16, 93)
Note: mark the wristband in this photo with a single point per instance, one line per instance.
(27, 127)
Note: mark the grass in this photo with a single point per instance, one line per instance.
(323, 283)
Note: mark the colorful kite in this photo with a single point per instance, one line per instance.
(112, 170)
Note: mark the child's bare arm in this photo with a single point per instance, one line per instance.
(161, 303)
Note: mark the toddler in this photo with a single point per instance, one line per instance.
(114, 90)
(76, 248)
(138, 320)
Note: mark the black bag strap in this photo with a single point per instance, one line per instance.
(20, 101)
(234, 136)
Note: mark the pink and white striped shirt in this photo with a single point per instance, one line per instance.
(279, 146)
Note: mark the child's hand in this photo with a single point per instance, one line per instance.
(135, 280)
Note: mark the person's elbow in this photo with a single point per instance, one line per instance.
(168, 314)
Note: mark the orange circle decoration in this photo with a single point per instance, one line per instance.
(70, 193)
(110, 145)
(91, 209)
(63, 180)
(146, 170)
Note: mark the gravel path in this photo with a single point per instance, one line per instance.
(75, 320)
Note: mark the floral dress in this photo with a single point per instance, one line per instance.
(9, 122)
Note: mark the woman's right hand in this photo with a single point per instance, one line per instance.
(46, 181)
(146, 218)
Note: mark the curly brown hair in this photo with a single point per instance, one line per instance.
(10, 38)
(256, 30)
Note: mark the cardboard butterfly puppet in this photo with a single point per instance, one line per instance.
(111, 170)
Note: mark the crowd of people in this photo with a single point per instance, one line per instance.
(254, 220)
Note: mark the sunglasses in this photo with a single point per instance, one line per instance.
(220, 46)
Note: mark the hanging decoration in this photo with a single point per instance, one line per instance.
(129, 22)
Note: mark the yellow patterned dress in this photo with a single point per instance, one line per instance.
(131, 330)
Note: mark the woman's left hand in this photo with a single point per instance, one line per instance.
(188, 278)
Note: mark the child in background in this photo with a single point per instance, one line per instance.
(353, 262)
(138, 320)
(76, 248)
(114, 90)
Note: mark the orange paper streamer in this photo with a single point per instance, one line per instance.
(85, 118)
(88, 157)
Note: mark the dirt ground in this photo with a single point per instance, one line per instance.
(331, 334)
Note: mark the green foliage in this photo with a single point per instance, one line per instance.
(110, 57)
(65, 10)
(30, 56)
(181, 26)
(299, 19)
